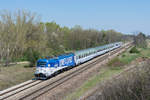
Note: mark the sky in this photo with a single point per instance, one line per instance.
(126, 16)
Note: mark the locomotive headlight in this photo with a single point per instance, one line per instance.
(49, 65)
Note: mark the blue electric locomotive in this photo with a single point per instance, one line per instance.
(48, 67)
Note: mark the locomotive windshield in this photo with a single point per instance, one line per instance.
(41, 64)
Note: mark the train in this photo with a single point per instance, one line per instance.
(48, 67)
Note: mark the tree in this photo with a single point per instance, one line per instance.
(24, 36)
(140, 40)
(18, 32)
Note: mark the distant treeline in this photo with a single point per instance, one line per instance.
(24, 37)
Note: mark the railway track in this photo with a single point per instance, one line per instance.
(18, 88)
(35, 88)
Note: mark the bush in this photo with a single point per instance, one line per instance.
(115, 63)
(134, 50)
(123, 55)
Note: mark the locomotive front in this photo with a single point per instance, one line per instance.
(45, 68)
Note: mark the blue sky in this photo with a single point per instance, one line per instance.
(127, 16)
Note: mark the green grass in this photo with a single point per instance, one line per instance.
(127, 57)
(123, 59)
(15, 74)
(145, 52)
(92, 82)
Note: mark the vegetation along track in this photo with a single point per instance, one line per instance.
(36, 92)
(92, 92)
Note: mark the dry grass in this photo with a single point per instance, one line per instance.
(15, 74)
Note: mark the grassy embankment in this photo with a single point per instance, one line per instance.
(15, 74)
(113, 67)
